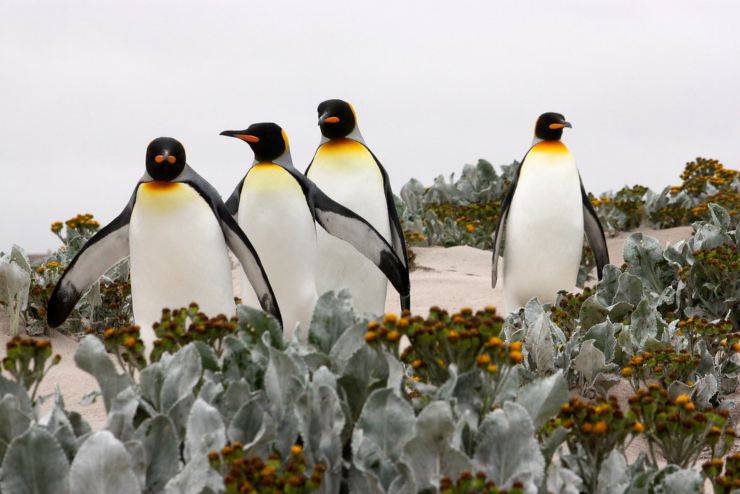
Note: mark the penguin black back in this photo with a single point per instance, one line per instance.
(165, 158)
(549, 126)
(336, 118)
(267, 140)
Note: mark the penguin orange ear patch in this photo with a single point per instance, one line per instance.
(171, 159)
(159, 158)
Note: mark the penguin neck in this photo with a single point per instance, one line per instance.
(355, 135)
(284, 160)
(536, 140)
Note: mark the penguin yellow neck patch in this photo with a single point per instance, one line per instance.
(550, 147)
(343, 154)
(265, 176)
(159, 186)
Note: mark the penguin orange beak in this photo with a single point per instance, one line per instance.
(555, 126)
(331, 120)
(239, 134)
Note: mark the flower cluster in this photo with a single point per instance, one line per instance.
(116, 309)
(82, 224)
(126, 345)
(697, 178)
(700, 172)
(727, 481)
(721, 262)
(414, 236)
(717, 336)
(179, 327)
(665, 366)
(244, 474)
(26, 360)
(465, 339)
(475, 221)
(593, 429)
(475, 484)
(565, 312)
(714, 278)
(629, 202)
(676, 429)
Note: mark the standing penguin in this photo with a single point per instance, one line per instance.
(175, 229)
(544, 214)
(348, 172)
(278, 207)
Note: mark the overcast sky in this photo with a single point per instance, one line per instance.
(84, 86)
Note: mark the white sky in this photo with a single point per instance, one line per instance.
(84, 86)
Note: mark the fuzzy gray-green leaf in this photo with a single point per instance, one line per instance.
(162, 448)
(332, 316)
(92, 358)
(429, 453)
(543, 398)
(102, 466)
(34, 464)
(507, 450)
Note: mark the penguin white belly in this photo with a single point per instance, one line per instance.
(346, 171)
(274, 214)
(544, 228)
(178, 255)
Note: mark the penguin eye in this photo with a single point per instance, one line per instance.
(171, 159)
(159, 158)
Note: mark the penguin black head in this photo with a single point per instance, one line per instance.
(550, 126)
(336, 118)
(267, 140)
(165, 158)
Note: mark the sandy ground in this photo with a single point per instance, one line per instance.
(450, 278)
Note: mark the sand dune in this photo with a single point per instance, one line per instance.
(449, 277)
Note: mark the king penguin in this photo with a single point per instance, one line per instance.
(348, 172)
(175, 229)
(544, 215)
(278, 207)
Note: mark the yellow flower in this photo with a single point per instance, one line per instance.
(492, 368)
(371, 336)
(627, 372)
(638, 427)
(470, 228)
(495, 342)
(393, 335)
(296, 449)
(600, 427)
(516, 356)
(483, 359)
(516, 346)
(683, 399)
(390, 319)
(52, 264)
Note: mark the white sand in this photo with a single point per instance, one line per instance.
(450, 278)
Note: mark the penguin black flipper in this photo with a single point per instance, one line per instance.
(399, 240)
(232, 203)
(347, 225)
(594, 233)
(498, 232)
(104, 249)
(237, 241)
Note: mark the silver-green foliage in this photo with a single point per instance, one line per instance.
(349, 403)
